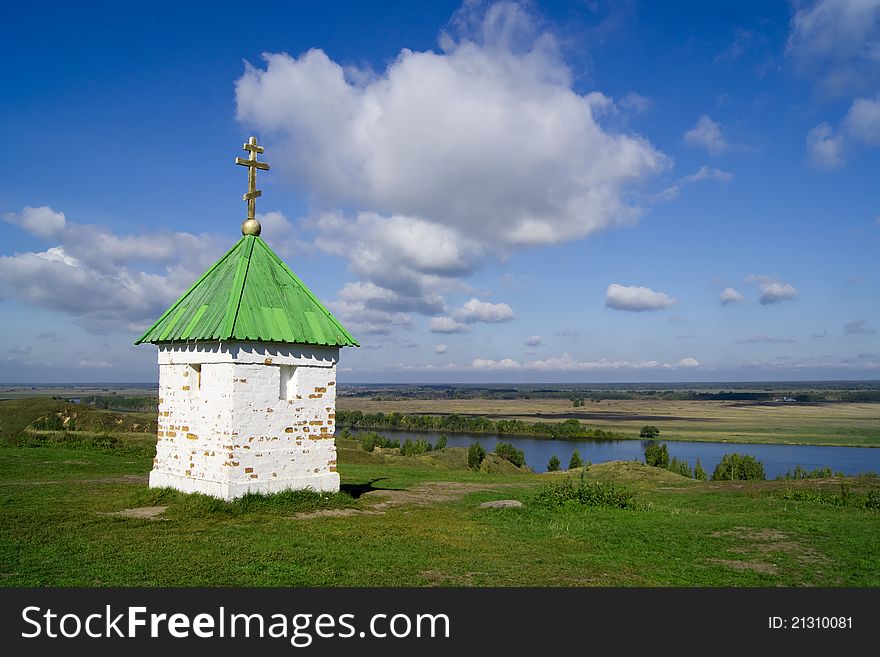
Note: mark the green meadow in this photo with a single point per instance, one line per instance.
(75, 510)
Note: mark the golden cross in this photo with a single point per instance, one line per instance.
(252, 165)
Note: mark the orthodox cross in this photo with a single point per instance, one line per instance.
(251, 163)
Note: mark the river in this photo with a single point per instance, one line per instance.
(777, 459)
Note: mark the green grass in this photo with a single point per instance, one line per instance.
(679, 532)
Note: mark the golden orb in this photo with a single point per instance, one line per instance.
(251, 227)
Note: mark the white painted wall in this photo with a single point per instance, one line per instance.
(227, 425)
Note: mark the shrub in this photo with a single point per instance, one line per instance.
(682, 468)
(699, 473)
(575, 461)
(441, 441)
(553, 464)
(415, 447)
(345, 434)
(801, 473)
(571, 491)
(510, 453)
(657, 455)
(371, 440)
(649, 431)
(738, 467)
(476, 454)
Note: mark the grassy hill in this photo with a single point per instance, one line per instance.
(72, 515)
(40, 416)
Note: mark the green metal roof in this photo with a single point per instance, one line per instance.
(250, 295)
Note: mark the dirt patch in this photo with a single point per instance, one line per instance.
(425, 494)
(764, 543)
(756, 566)
(145, 512)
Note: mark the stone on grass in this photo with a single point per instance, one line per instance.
(501, 504)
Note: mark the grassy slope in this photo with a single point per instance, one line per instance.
(17, 416)
(844, 424)
(686, 533)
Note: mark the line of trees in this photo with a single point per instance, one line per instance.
(455, 423)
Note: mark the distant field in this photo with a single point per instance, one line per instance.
(843, 424)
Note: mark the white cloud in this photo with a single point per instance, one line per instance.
(825, 147)
(634, 298)
(441, 349)
(94, 364)
(635, 103)
(475, 310)
(730, 295)
(447, 159)
(862, 121)
(772, 290)
(445, 325)
(503, 364)
(707, 133)
(836, 42)
(688, 362)
(43, 221)
(534, 341)
(704, 173)
(105, 280)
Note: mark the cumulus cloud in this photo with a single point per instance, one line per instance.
(475, 310)
(441, 349)
(637, 299)
(103, 279)
(825, 147)
(704, 173)
(862, 121)
(858, 327)
(772, 290)
(534, 341)
(445, 325)
(837, 43)
(707, 134)
(730, 295)
(493, 115)
(859, 127)
(503, 364)
(49, 336)
(42, 221)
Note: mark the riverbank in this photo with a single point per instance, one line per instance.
(838, 424)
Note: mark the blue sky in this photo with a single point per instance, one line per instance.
(554, 191)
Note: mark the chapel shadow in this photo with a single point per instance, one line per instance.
(356, 490)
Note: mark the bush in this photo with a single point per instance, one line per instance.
(371, 440)
(571, 491)
(345, 434)
(441, 441)
(649, 432)
(476, 454)
(415, 447)
(553, 464)
(657, 455)
(575, 461)
(699, 473)
(682, 468)
(738, 467)
(801, 473)
(510, 453)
